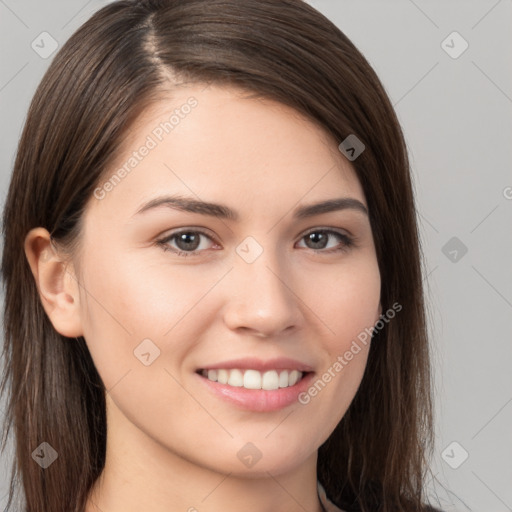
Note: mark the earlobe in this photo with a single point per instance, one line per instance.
(56, 283)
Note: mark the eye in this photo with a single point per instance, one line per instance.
(318, 240)
(188, 242)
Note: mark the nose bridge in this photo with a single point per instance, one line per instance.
(263, 298)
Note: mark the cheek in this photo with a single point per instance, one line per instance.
(127, 303)
(348, 306)
(346, 299)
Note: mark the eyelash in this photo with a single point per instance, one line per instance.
(348, 242)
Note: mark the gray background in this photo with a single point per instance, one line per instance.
(456, 114)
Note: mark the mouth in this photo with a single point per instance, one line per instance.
(257, 385)
(269, 380)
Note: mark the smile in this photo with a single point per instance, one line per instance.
(254, 379)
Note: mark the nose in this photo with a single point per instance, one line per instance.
(261, 299)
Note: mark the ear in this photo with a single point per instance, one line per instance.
(56, 283)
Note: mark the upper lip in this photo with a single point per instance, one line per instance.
(250, 363)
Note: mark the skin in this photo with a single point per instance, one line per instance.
(172, 445)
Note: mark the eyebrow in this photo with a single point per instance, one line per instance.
(221, 211)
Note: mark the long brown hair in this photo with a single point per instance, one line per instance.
(110, 70)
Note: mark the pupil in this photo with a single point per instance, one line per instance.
(317, 238)
(184, 239)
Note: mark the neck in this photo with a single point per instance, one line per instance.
(141, 474)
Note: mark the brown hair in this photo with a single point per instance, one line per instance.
(109, 71)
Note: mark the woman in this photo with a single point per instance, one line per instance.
(212, 271)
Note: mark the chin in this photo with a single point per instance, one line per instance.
(274, 460)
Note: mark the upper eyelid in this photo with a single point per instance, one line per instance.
(328, 229)
(178, 231)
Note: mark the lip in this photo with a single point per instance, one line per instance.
(250, 363)
(257, 400)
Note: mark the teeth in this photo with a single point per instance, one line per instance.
(294, 377)
(270, 380)
(236, 378)
(222, 376)
(253, 379)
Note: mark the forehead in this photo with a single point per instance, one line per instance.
(219, 145)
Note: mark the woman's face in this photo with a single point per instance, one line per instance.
(255, 296)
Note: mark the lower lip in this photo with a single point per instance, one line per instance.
(259, 400)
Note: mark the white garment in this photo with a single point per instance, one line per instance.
(328, 505)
